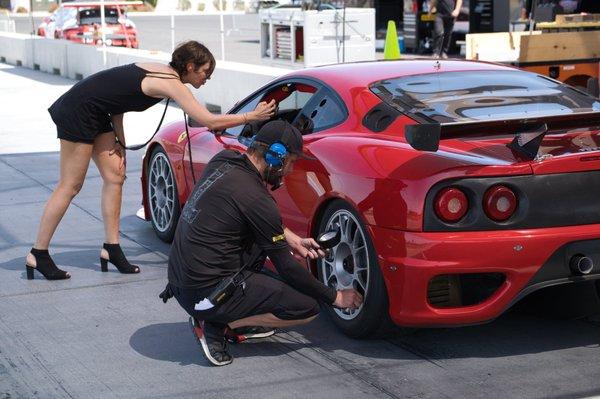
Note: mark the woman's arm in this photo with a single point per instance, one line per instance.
(186, 100)
(117, 122)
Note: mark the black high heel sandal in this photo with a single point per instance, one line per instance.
(45, 265)
(118, 259)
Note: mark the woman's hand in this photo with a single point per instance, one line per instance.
(120, 152)
(263, 111)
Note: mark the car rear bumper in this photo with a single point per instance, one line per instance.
(526, 259)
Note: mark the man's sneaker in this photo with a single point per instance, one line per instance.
(212, 341)
(243, 333)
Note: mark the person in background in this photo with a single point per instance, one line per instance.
(446, 12)
(589, 7)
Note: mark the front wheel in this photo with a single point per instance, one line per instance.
(163, 197)
(353, 264)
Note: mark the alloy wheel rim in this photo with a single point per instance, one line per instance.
(161, 192)
(347, 264)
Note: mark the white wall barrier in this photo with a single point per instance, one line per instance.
(230, 82)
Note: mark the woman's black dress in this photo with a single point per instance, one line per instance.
(84, 112)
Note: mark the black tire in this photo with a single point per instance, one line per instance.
(372, 318)
(162, 194)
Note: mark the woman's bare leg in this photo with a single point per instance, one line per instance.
(74, 162)
(108, 162)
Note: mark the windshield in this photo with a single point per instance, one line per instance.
(91, 16)
(469, 96)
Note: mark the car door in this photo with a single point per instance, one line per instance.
(309, 180)
(312, 107)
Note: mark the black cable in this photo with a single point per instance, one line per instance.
(162, 118)
(189, 142)
(139, 146)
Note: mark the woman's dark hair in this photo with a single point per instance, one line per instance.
(193, 52)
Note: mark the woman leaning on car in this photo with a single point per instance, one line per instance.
(89, 121)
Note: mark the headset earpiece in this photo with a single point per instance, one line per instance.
(275, 155)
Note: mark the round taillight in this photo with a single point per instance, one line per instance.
(451, 205)
(499, 203)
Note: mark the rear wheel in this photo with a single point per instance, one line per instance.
(353, 264)
(163, 197)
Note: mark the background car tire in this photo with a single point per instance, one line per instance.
(162, 194)
(373, 317)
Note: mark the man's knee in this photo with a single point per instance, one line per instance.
(310, 310)
(308, 319)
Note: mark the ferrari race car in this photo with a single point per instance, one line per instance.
(458, 187)
(81, 22)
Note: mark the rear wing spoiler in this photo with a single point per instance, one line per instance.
(528, 132)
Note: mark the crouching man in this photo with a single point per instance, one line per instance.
(229, 213)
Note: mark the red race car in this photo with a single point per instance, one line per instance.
(81, 22)
(458, 187)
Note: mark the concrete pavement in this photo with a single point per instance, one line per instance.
(107, 335)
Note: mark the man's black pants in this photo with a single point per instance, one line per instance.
(261, 294)
(442, 34)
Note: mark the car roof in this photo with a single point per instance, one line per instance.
(361, 74)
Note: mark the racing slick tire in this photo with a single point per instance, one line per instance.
(353, 264)
(162, 194)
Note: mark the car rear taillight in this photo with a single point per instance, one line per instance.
(451, 204)
(499, 203)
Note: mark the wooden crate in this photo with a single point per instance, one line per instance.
(560, 46)
(498, 46)
(570, 18)
(535, 47)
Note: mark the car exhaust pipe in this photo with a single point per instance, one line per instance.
(580, 265)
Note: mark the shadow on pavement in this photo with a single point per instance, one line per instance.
(174, 342)
(88, 259)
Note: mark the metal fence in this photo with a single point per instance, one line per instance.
(7, 25)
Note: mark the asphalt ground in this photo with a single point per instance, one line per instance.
(107, 335)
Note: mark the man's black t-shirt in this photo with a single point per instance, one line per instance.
(445, 7)
(229, 210)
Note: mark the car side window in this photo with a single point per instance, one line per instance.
(290, 97)
(249, 106)
(322, 112)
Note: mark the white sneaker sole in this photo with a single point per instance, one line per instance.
(260, 335)
(202, 341)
